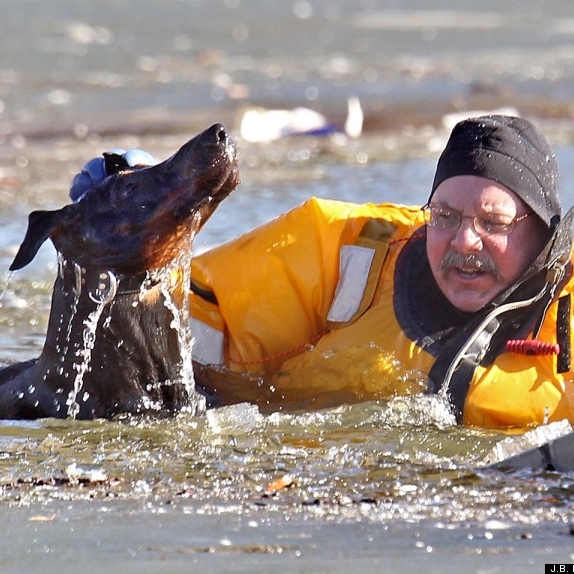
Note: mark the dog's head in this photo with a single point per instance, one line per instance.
(139, 220)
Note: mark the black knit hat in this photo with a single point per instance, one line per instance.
(509, 151)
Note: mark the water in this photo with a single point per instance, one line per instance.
(84, 356)
(197, 402)
(378, 487)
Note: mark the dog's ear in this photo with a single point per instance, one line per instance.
(40, 225)
(115, 163)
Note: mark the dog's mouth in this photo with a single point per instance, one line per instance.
(140, 220)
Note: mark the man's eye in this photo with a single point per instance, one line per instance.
(493, 224)
(446, 216)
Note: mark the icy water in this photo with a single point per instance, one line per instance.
(376, 487)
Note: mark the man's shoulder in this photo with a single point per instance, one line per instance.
(406, 214)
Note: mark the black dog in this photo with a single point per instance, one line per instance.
(110, 346)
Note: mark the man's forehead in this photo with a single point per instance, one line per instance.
(476, 192)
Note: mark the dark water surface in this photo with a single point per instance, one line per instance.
(380, 487)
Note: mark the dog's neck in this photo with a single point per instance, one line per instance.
(110, 347)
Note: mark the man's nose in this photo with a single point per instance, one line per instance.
(466, 238)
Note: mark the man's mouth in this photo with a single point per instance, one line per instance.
(469, 266)
(468, 272)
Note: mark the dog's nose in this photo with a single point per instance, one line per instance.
(216, 134)
(221, 134)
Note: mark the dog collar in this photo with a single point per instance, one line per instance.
(102, 285)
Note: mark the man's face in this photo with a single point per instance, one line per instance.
(471, 266)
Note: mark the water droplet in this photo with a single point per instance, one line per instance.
(6, 286)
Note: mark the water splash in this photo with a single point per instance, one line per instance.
(419, 410)
(84, 355)
(181, 268)
(73, 311)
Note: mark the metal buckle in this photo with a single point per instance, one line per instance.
(106, 289)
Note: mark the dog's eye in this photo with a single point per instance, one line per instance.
(126, 191)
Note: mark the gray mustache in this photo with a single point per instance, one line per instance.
(474, 260)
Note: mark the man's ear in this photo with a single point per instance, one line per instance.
(40, 226)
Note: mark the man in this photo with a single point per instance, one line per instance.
(468, 297)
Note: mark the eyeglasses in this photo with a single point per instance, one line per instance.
(447, 219)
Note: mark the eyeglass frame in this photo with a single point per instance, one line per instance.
(480, 230)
